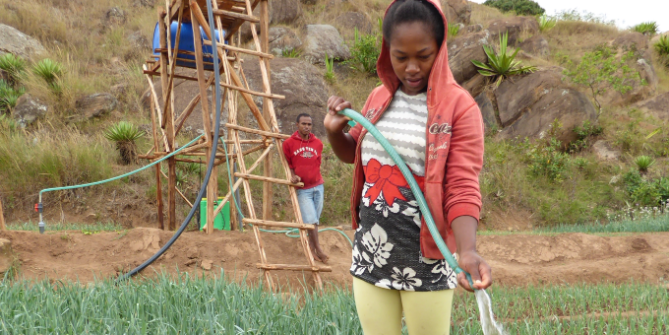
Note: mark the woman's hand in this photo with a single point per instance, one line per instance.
(472, 263)
(335, 123)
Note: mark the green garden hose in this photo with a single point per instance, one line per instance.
(414, 188)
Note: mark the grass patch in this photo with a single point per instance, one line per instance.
(647, 225)
(214, 306)
(83, 227)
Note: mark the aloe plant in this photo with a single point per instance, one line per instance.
(643, 163)
(546, 22)
(125, 134)
(501, 65)
(329, 69)
(51, 71)
(13, 66)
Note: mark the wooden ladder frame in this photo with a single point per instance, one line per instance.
(229, 16)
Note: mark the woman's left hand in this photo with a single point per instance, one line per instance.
(472, 263)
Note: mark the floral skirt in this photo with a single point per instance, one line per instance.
(386, 248)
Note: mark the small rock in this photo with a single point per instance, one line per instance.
(190, 262)
(324, 39)
(144, 3)
(474, 28)
(116, 15)
(96, 105)
(206, 264)
(604, 151)
(28, 109)
(353, 20)
(631, 38)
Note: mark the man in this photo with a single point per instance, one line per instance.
(303, 152)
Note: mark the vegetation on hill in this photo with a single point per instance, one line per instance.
(533, 181)
(520, 7)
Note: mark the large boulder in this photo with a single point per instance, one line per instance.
(324, 39)
(280, 11)
(303, 86)
(642, 88)
(527, 106)
(657, 106)
(283, 38)
(28, 109)
(457, 11)
(350, 21)
(515, 26)
(487, 111)
(95, 105)
(17, 43)
(535, 45)
(631, 39)
(462, 50)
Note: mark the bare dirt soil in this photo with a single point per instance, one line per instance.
(517, 259)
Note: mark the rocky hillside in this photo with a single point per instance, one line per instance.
(582, 137)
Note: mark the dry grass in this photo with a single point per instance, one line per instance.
(574, 38)
(483, 15)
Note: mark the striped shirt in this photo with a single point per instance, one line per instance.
(403, 124)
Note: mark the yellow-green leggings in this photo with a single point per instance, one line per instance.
(380, 310)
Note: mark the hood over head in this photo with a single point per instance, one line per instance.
(385, 68)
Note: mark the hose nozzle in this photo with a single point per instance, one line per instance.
(41, 227)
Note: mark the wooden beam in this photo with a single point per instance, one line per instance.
(256, 131)
(291, 267)
(267, 179)
(235, 15)
(242, 50)
(260, 94)
(2, 218)
(278, 224)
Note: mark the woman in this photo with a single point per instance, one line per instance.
(437, 128)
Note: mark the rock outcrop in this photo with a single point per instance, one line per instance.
(17, 43)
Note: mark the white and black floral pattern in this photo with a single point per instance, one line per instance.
(386, 249)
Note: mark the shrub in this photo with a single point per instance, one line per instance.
(521, 7)
(329, 69)
(646, 28)
(364, 53)
(453, 30)
(14, 67)
(125, 134)
(51, 71)
(601, 69)
(545, 157)
(583, 135)
(9, 95)
(502, 65)
(573, 15)
(290, 53)
(643, 163)
(662, 48)
(546, 23)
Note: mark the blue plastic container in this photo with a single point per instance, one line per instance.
(186, 43)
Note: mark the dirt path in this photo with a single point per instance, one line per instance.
(517, 260)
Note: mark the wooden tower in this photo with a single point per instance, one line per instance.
(229, 15)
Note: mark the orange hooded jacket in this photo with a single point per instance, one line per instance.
(454, 152)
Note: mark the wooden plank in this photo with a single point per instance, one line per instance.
(292, 267)
(159, 188)
(260, 94)
(256, 131)
(2, 218)
(242, 50)
(179, 192)
(267, 169)
(279, 224)
(267, 179)
(236, 15)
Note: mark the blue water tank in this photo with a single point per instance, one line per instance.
(186, 43)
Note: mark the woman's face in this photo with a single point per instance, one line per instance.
(413, 50)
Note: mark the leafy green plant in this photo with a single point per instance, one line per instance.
(7, 124)
(546, 23)
(583, 135)
(453, 30)
(601, 69)
(502, 65)
(646, 28)
(643, 163)
(125, 134)
(9, 96)
(521, 7)
(662, 48)
(364, 52)
(546, 158)
(14, 67)
(290, 53)
(329, 69)
(574, 15)
(51, 71)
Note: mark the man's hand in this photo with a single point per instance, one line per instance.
(295, 179)
(472, 263)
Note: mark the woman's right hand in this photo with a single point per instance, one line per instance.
(335, 123)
